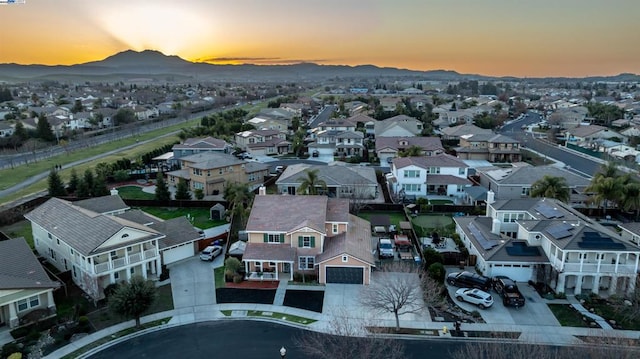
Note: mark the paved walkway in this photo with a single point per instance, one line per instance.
(582, 310)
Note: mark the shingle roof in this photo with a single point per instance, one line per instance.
(441, 160)
(461, 130)
(269, 251)
(203, 143)
(633, 227)
(177, 231)
(356, 242)
(104, 204)
(426, 143)
(527, 175)
(209, 160)
(332, 175)
(281, 213)
(80, 228)
(19, 267)
(447, 179)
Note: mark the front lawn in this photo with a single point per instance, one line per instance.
(281, 316)
(218, 277)
(134, 192)
(200, 215)
(568, 316)
(305, 299)
(606, 310)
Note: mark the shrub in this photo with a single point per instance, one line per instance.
(17, 355)
(437, 272)
(33, 336)
(20, 332)
(560, 295)
(9, 349)
(165, 274)
(476, 314)
(432, 256)
(297, 277)
(237, 278)
(83, 325)
(198, 193)
(232, 264)
(108, 290)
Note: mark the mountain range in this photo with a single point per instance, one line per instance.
(154, 65)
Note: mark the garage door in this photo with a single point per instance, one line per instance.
(518, 274)
(177, 253)
(348, 275)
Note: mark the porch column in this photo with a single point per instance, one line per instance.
(560, 285)
(599, 262)
(13, 315)
(632, 285)
(581, 261)
(617, 261)
(158, 266)
(277, 270)
(128, 272)
(578, 289)
(596, 284)
(246, 269)
(112, 277)
(92, 265)
(143, 268)
(291, 271)
(636, 268)
(613, 284)
(50, 302)
(564, 259)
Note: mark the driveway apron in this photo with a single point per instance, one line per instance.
(192, 283)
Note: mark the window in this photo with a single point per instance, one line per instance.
(197, 172)
(129, 249)
(273, 238)
(411, 174)
(116, 275)
(75, 272)
(412, 187)
(526, 191)
(306, 242)
(461, 171)
(58, 241)
(198, 185)
(345, 259)
(433, 170)
(71, 251)
(49, 235)
(305, 262)
(133, 270)
(335, 228)
(272, 264)
(52, 254)
(125, 235)
(114, 255)
(31, 302)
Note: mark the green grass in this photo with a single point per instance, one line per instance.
(218, 275)
(608, 312)
(115, 336)
(134, 192)
(281, 316)
(440, 201)
(567, 316)
(394, 217)
(200, 215)
(428, 221)
(227, 313)
(20, 229)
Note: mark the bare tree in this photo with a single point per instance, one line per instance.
(401, 289)
(360, 197)
(348, 339)
(628, 307)
(607, 345)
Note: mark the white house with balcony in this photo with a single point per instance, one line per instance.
(438, 175)
(543, 240)
(101, 242)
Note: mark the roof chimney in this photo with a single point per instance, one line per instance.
(262, 191)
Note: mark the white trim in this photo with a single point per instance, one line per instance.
(345, 266)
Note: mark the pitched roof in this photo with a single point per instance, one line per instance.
(332, 175)
(177, 231)
(426, 143)
(527, 175)
(584, 131)
(104, 204)
(440, 160)
(202, 143)
(356, 242)
(19, 267)
(269, 251)
(83, 229)
(282, 213)
(209, 160)
(466, 129)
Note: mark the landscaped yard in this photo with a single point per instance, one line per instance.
(19, 229)
(200, 215)
(608, 311)
(394, 217)
(134, 192)
(567, 316)
(432, 221)
(305, 299)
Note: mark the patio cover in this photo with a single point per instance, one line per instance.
(380, 220)
(269, 252)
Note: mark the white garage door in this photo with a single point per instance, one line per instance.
(177, 253)
(518, 274)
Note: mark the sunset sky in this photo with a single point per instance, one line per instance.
(526, 38)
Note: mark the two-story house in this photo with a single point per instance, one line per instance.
(192, 146)
(101, 242)
(307, 234)
(455, 132)
(264, 122)
(210, 171)
(343, 143)
(438, 175)
(388, 148)
(490, 147)
(24, 285)
(546, 241)
(398, 126)
(263, 142)
(363, 121)
(356, 182)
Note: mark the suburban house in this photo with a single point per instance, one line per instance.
(630, 232)
(544, 240)
(193, 146)
(516, 181)
(438, 175)
(102, 243)
(25, 287)
(455, 132)
(342, 181)
(364, 121)
(490, 147)
(388, 148)
(398, 126)
(263, 141)
(448, 117)
(211, 171)
(6, 130)
(338, 143)
(585, 135)
(310, 235)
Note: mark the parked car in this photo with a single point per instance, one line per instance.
(469, 280)
(508, 290)
(475, 296)
(385, 248)
(210, 253)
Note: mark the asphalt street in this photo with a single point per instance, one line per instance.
(240, 339)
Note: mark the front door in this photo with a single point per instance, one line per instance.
(258, 266)
(286, 267)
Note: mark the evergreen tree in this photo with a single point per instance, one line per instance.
(72, 187)
(20, 132)
(89, 180)
(182, 190)
(100, 187)
(83, 190)
(162, 190)
(43, 129)
(56, 186)
(131, 299)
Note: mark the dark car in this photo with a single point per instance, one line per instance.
(508, 290)
(469, 280)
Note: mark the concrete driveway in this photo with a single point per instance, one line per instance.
(192, 282)
(534, 312)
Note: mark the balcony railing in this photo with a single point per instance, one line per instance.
(593, 268)
(123, 262)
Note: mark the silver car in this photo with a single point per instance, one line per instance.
(474, 296)
(210, 253)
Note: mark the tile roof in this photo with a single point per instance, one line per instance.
(282, 213)
(210, 160)
(177, 231)
(356, 242)
(332, 175)
(203, 143)
(104, 204)
(440, 160)
(270, 252)
(527, 175)
(19, 267)
(426, 143)
(82, 229)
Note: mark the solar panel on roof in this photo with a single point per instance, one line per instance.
(521, 249)
(561, 230)
(594, 240)
(479, 236)
(548, 211)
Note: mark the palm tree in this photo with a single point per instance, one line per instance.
(605, 190)
(551, 187)
(239, 198)
(411, 151)
(310, 184)
(630, 200)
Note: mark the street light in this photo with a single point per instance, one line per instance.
(283, 352)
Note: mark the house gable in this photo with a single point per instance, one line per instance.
(123, 237)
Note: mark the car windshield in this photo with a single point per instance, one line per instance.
(385, 245)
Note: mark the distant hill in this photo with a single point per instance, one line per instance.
(157, 66)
